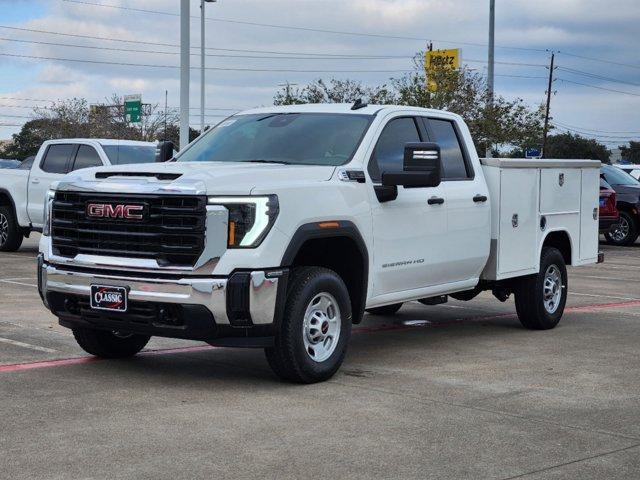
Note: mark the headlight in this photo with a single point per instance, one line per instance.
(48, 204)
(250, 218)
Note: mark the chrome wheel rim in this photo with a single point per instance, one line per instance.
(552, 289)
(621, 231)
(321, 327)
(4, 229)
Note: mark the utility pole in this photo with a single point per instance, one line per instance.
(546, 116)
(490, 71)
(185, 66)
(202, 62)
(166, 101)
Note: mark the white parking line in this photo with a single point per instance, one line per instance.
(18, 278)
(602, 296)
(27, 345)
(19, 283)
(608, 278)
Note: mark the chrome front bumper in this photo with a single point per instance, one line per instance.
(208, 292)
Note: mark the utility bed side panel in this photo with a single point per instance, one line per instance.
(531, 199)
(589, 220)
(517, 252)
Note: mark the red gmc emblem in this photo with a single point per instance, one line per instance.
(107, 210)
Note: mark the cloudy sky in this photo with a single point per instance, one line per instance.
(251, 51)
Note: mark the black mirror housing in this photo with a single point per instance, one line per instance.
(164, 151)
(422, 167)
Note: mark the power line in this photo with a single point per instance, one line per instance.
(597, 76)
(217, 55)
(563, 124)
(615, 137)
(611, 62)
(175, 45)
(223, 69)
(599, 88)
(305, 29)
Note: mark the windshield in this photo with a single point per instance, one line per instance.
(126, 154)
(291, 138)
(615, 176)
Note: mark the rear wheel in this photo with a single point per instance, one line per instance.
(106, 344)
(625, 232)
(386, 310)
(10, 234)
(540, 299)
(312, 339)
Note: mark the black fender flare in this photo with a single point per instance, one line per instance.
(3, 192)
(331, 229)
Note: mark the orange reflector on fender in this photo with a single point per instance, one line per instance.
(329, 225)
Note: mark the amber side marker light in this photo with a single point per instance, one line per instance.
(232, 234)
(329, 225)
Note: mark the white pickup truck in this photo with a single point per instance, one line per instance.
(23, 190)
(281, 226)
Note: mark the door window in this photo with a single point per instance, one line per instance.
(56, 158)
(87, 157)
(453, 162)
(389, 152)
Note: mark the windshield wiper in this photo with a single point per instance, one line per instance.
(260, 160)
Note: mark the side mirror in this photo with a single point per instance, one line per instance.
(421, 168)
(164, 151)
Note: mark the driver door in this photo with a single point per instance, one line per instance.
(410, 231)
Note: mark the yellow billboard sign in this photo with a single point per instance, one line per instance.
(440, 60)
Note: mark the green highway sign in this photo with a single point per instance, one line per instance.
(133, 108)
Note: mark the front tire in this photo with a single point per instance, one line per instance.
(10, 234)
(625, 233)
(540, 299)
(312, 339)
(106, 344)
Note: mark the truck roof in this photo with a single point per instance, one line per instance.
(102, 141)
(340, 108)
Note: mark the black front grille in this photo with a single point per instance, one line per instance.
(171, 231)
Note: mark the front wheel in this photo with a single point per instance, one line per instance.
(106, 344)
(10, 234)
(312, 339)
(540, 299)
(625, 232)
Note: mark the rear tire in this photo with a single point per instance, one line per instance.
(540, 299)
(312, 339)
(106, 344)
(386, 310)
(624, 233)
(10, 235)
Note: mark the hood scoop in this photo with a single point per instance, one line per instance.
(157, 175)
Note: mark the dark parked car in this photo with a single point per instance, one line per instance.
(609, 214)
(627, 191)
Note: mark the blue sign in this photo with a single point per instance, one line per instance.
(533, 153)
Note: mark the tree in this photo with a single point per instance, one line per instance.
(75, 118)
(631, 153)
(568, 145)
(334, 91)
(501, 122)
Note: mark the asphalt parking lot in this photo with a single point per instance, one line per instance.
(452, 391)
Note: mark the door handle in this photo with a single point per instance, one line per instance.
(480, 198)
(435, 201)
(35, 181)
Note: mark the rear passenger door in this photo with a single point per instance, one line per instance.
(55, 163)
(467, 200)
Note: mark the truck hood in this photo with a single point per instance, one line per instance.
(211, 178)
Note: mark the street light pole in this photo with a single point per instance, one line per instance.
(202, 62)
(490, 87)
(185, 66)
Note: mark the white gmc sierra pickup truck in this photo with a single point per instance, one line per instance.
(23, 189)
(281, 226)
